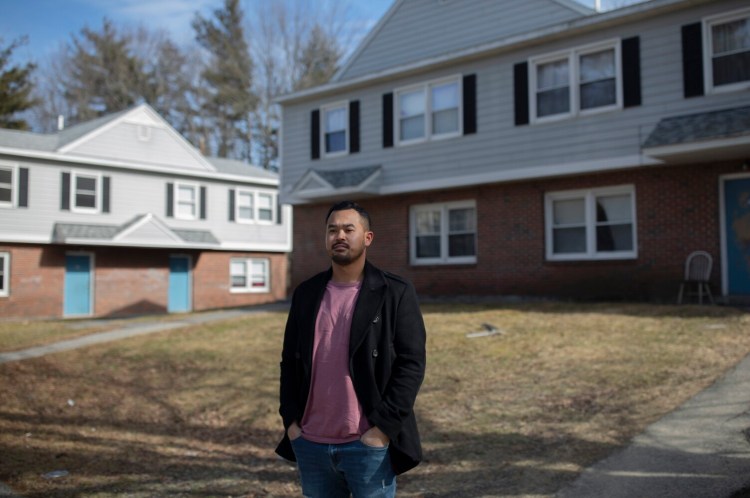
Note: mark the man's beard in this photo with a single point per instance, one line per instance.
(348, 257)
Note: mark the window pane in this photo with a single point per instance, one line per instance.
(552, 75)
(553, 102)
(461, 220)
(445, 121)
(731, 36)
(411, 103)
(84, 183)
(569, 212)
(445, 97)
(428, 222)
(428, 246)
(569, 240)
(598, 94)
(461, 245)
(85, 200)
(336, 120)
(237, 272)
(259, 276)
(597, 66)
(614, 238)
(613, 208)
(186, 194)
(245, 205)
(412, 128)
(6, 176)
(731, 68)
(336, 142)
(5, 194)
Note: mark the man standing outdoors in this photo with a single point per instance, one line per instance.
(352, 363)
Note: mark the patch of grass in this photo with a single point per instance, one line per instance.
(194, 411)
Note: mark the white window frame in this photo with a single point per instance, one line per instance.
(176, 200)
(444, 258)
(255, 194)
(74, 175)
(589, 196)
(13, 185)
(426, 89)
(5, 269)
(708, 51)
(323, 121)
(574, 80)
(249, 288)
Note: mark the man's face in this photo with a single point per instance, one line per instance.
(346, 237)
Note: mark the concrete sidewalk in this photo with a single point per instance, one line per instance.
(132, 330)
(701, 450)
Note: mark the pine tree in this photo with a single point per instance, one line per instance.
(230, 101)
(15, 88)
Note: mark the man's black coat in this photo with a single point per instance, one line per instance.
(386, 359)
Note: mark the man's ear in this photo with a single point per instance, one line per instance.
(369, 236)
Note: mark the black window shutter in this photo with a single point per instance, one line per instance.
(170, 200)
(470, 103)
(521, 92)
(105, 194)
(388, 120)
(315, 134)
(353, 126)
(203, 203)
(231, 204)
(23, 187)
(65, 192)
(278, 212)
(631, 71)
(692, 60)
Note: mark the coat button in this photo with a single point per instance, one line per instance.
(376, 319)
(374, 353)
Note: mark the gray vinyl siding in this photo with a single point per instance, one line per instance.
(132, 194)
(501, 146)
(420, 29)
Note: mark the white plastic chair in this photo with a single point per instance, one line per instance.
(697, 274)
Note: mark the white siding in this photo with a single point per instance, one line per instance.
(499, 145)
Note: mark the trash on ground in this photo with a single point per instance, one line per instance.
(56, 474)
(489, 330)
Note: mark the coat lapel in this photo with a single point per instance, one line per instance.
(369, 302)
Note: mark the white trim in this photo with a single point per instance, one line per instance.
(708, 52)
(98, 193)
(722, 228)
(248, 288)
(426, 88)
(175, 200)
(103, 162)
(573, 56)
(14, 185)
(342, 104)
(146, 220)
(692, 147)
(589, 197)
(5, 268)
(444, 208)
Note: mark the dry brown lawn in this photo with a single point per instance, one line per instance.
(193, 412)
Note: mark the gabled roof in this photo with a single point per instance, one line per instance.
(317, 183)
(146, 230)
(715, 134)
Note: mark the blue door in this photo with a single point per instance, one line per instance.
(737, 229)
(77, 299)
(179, 284)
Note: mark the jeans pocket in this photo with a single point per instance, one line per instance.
(374, 448)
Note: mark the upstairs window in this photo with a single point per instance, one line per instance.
(252, 206)
(86, 192)
(186, 201)
(265, 207)
(335, 129)
(591, 224)
(728, 51)
(245, 205)
(444, 233)
(429, 111)
(6, 186)
(249, 275)
(578, 81)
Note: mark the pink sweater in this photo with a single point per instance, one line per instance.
(333, 415)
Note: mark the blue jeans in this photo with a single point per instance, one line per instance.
(335, 470)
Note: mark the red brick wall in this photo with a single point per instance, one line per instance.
(677, 212)
(127, 281)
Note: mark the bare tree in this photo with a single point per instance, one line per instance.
(15, 87)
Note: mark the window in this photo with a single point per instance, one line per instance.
(7, 175)
(591, 224)
(429, 111)
(335, 129)
(444, 233)
(728, 55)
(4, 274)
(86, 192)
(186, 201)
(577, 81)
(255, 207)
(249, 275)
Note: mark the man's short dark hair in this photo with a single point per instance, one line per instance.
(344, 205)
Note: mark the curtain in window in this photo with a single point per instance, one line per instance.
(614, 227)
(731, 52)
(553, 88)
(461, 232)
(569, 226)
(428, 234)
(597, 79)
(445, 108)
(335, 130)
(411, 115)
